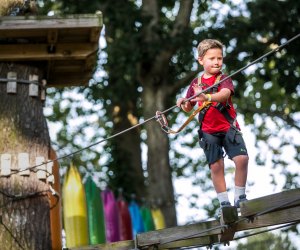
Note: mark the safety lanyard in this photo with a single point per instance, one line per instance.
(162, 120)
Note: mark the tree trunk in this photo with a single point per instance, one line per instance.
(161, 189)
(129, 171)
(24, 199)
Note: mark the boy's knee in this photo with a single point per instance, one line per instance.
(216, 167)
(241, 159)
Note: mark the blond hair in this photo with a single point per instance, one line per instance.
(207, 44)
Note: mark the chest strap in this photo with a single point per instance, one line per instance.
(219, 106)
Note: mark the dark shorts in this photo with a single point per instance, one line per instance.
(214, 145)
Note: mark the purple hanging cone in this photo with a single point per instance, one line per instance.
(111, 216)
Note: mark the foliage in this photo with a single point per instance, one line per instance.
(267, 94)
(267, 241)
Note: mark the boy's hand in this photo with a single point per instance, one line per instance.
(180, 101)
(201, 97)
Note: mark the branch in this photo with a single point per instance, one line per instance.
(183, 17)
(150, 9)
(181, 22)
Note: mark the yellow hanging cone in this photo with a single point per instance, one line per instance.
(74, 209)
(158, 218)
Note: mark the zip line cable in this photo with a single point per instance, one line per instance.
(167, 110)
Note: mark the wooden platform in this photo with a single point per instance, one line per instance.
(65, 47)
(276, 209)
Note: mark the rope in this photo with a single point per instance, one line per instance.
(169, 109)
(268, 230)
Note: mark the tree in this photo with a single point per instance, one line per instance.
(140, 84)
(149, 58)
(25, 211)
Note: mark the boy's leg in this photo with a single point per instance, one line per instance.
(217, 175)
(236, 149)
(212, 146)
(240, 179)
(241, 170)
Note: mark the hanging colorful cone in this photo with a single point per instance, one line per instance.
(147, 219)
(95, 212)
(111, 216)
(158, 218)
(125, 220)
(74, 209)
(136, 218)
(55, 212)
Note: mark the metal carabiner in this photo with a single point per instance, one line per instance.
(162, 120)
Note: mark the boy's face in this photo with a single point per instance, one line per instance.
(212, 61)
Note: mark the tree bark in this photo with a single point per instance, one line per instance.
(160, 186)
(24, 200)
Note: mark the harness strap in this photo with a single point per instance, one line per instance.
(160, 117)
(219, 106)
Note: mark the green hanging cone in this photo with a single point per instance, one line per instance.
(95, 212)
(147, 219)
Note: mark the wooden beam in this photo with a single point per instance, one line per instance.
(255, 206)
(169, 235)
(194, 242)
(72, 79)
(178, 236)
(284, 216)
(207, 233)
(229, 216)
(44, 22)
(32, 52)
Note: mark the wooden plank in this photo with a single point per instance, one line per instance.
(44, 22)
(286, 215)
(177, 233)
(255, 206)
(120, 245)
(58, 44)
(41, 35)
(32, 52)
(194, 242)
(73, 79)
(229, 216)
(206, 233)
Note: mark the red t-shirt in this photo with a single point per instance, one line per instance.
(214, 121)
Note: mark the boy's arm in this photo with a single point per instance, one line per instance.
(221, 96)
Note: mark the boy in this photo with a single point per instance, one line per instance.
(218, 126)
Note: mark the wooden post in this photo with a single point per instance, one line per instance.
(228, 218)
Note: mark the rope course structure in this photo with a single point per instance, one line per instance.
(284, 206)
(157, 116)
(272, 212)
